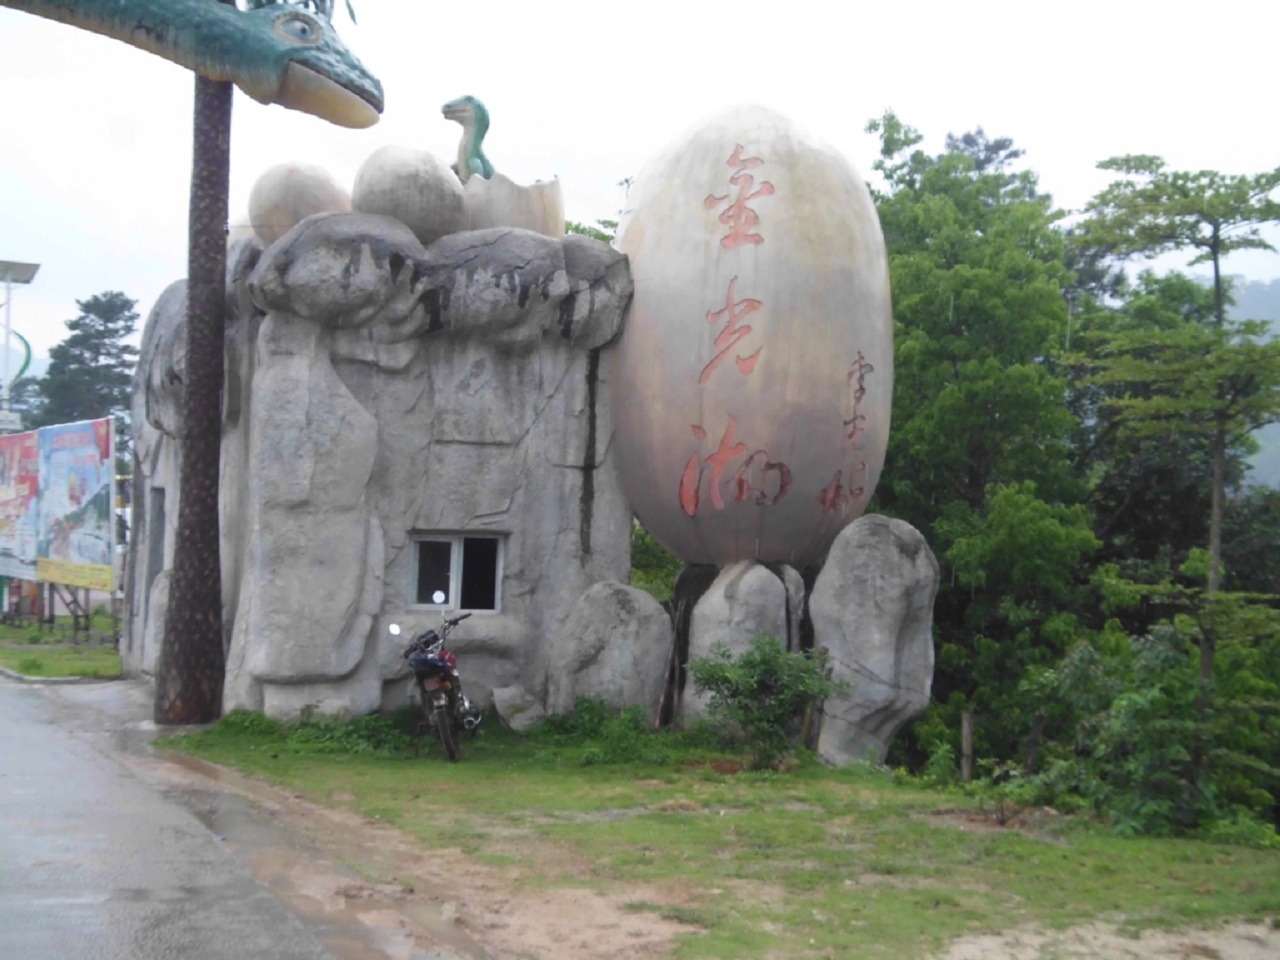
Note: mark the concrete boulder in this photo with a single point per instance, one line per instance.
(518, 708)
(615, 646)
(745, 601)
(872, 609)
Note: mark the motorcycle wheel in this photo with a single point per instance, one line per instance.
(448, 739)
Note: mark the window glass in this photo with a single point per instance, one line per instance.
(435, 558)
(479, 573)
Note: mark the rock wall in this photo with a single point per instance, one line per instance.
(872, 610)
(377, 390)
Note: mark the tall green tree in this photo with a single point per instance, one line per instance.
(978, 457)
(1150, 494)
(1155, 210)
(91, 371)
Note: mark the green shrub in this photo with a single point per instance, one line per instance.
(940, 768)
(763, 692)
(369, 734)
(1242, 828)
(653, 567)
(248, 723)
(30, 666)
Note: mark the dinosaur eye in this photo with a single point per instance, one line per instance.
(298, 27)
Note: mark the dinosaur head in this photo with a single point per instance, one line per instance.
(289, 57)
(469, 112)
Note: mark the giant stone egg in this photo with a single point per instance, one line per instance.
(753, 382)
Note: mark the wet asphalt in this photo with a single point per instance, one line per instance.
(100, 862)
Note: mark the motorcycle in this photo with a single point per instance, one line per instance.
(445, 708)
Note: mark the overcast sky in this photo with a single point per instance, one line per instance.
(96, 149)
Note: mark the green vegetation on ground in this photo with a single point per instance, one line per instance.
(36, 650)
(60, 660)
(801, 862)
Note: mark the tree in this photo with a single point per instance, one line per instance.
(191, 666)
(91, 372)
(1156, 210)
(1150, 493)
(1219, 381)
(979, 439)
(1251, 530)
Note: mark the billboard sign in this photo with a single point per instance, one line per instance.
(75, 531)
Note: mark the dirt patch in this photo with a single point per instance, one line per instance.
(1233, 941)
(419, 893)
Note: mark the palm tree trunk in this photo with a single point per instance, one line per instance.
(191, 665)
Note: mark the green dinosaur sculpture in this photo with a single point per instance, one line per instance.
(276, 53)
(474, 118)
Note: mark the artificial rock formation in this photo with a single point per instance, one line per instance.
(615, 646)
(377, 390)
(745, 601)
(872, 610)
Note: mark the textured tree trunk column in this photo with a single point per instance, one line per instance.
(191, 665)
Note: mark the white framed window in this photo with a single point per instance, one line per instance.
(465, 568)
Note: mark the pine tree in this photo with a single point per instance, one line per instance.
(91, 372)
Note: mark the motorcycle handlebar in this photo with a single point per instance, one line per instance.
(458, 619)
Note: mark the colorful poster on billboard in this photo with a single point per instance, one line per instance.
(75, 537)
(19, 476)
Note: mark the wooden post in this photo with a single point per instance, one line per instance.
(966, 746)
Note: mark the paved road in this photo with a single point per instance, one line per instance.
(95, 864)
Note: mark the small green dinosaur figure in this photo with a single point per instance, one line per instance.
(276, 53)
(474, 118)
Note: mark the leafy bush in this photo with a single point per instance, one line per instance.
(1152, 746)
(248, 723)
(762, 692)
(940, 768)
(374, 733)
(1242, 828)
(653, 567)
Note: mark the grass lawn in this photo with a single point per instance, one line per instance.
(37, 651)
(807, 862)
(60, 660)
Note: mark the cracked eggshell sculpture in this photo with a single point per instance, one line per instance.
(753, 382)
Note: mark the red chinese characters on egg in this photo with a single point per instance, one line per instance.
(733, 472)
(842, 489)
(733, 332)
(737, 216)
(857, 378)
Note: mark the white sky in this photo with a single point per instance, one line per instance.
(96, 150)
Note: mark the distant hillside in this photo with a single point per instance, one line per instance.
(1258, 300)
